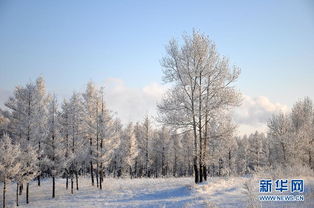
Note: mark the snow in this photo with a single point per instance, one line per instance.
(224, 192)
(230, 192)
(144, 192)
(170, 192)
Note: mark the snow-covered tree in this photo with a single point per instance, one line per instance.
(64, 125)
(107, 138)
(144, 135)
(302, 118)
(91, 102)
(4, 122)
(187, 151)
(54, 149)
(160, 151)
(28, 119)
(257, 151)
(281, 138)
(10, 163)
(130, 148)
(40, 120)
(202, 85)
(78, 144)
(114, 156)
(242, 155)
(29, 169)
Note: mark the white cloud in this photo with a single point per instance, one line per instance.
(132, 104)
(254, 113)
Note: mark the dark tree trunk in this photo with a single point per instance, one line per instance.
(21, 189)
(101, 176)
(92, 173)
(196, 179)
(71, 184)
(67, 182)
(91, 162)
(229, 158)
(201, 173)
(205, 172)
(200, 129)
(163, 161)
(27, 190)
(97, 177)
(4, 190)
(135, 169)
(100, 181)
(220, 166)
(53, 187)
(77, 180)
(38, 180)
(17, 194)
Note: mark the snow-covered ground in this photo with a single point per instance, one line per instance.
(168, 192)
(171, 192)
(231, 192)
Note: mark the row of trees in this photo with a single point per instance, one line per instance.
(80, 136)
(142, 150)
(82, 129)
(288, 143)
(44, 138)
(63, 138)
(292, 135)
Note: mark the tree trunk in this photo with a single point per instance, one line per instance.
(21, 189)
(196, 179)
(200, 128)
(27, 189)
(101, 176)
(38, 180)
(284, 152)
(146, 156)
(205, 172)
(100, 181)
(196, 175)
(135, 169)
(201, 172)
(17, 194)
(163, 161)
(229, 158)
(91, 162)
(53, 187)
(97, 177)
(77, 181)
(67, 182)
(71, 184)
(206, 139)
(4, 190)
(92, 173)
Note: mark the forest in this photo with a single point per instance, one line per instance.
(194, 134)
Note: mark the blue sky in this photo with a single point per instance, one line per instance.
(72, 42)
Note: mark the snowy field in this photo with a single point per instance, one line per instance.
(170, 192)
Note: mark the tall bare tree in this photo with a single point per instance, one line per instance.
(202, 85)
